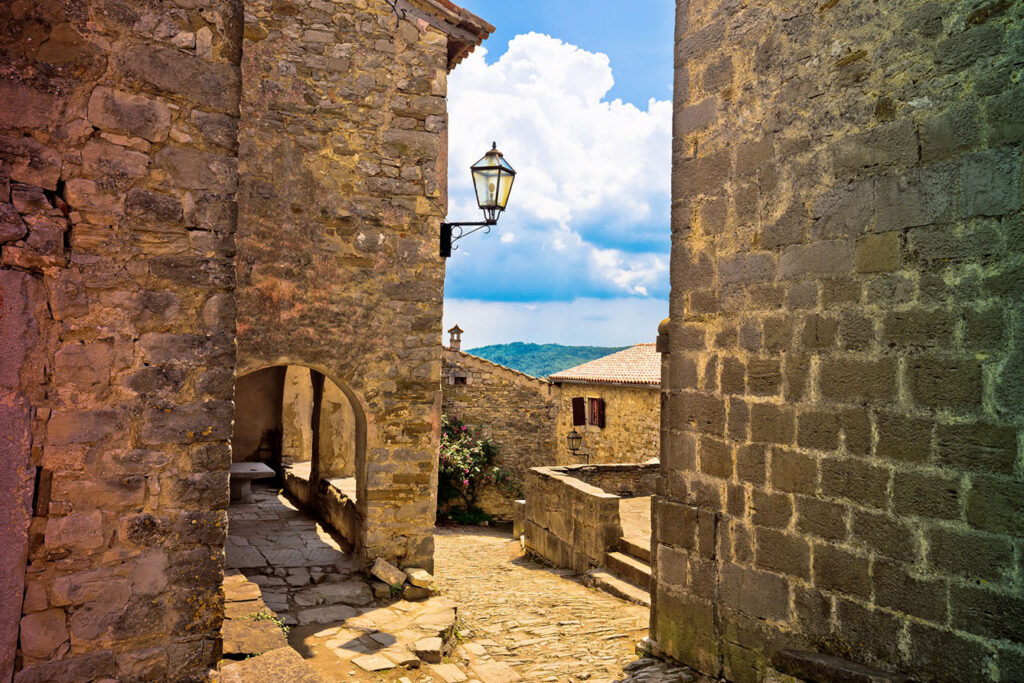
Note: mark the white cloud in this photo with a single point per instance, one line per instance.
(600, 322)
(593, 175)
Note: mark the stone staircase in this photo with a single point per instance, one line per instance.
(627, 572)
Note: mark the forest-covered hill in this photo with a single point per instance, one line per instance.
(541, 360)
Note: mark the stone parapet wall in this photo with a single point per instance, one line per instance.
(842, 464)
(569, 522)
(624, 480)
(117, 202)
(632, 421)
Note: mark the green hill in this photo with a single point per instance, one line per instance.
(541, 360)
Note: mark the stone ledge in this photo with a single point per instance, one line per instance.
(817, 667)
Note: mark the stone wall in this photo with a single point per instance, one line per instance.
(116, 203)
(120, 152)
(569, 522)
(516, 411)
(632, 421)
(842, 470)
(626, 481)
(342, 164)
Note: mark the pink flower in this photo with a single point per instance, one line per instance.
(465, 482)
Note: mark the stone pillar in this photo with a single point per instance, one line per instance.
(843, 466)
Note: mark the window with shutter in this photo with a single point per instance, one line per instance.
(579, 411)
(597, 412)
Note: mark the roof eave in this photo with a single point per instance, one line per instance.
(465, 30)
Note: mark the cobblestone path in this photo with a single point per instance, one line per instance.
(537, 621)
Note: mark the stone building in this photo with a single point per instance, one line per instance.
(529, 418)
(614, 403)
(842, 470)
(519, 413)
(190, 193)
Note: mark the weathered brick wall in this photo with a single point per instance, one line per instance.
(843, 464)
(341, 168)
(116, 220)
(516, 411)
(632, 422)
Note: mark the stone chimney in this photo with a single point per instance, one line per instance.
(455, 341)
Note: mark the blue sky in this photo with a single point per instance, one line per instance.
(578, 96)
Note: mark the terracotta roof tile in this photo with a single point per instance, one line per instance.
(640, 364)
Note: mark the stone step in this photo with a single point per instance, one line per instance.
(629, 568)
(637, 547)
(609, 583)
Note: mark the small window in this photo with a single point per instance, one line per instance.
(596, 412)
(458, 380)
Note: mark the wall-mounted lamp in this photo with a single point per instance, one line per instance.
(575, 440)
(492, 181)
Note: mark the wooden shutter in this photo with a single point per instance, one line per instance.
(579, 411)
(597, 407)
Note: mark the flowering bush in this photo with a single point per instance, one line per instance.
(466, 465)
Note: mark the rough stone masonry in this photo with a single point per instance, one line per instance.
(125, 176)
(843, 468)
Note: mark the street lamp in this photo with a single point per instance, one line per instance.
(492, 181)
(575, 440)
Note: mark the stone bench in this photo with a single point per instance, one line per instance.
(242, 474)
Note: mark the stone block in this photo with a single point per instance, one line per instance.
(955, 130)
(793, 472)
(30, 162)
(12, 227)
(820, 518)
(941, 652)
(969, 554)
(938, 381)
(989, 613)
(849, 379)
(131, 114)
(759, 594)
(878, 253)
(920, 197)
(886, 535)
(818, 332)
(837, 569)
(855, 480)
(196, 170)
(918, 327)
(902, 591)
(884, 146)
(764, 377)
(843, 211)
(89, 195)
(103, 160)
(716, 458)
(817, 259)
(783, 553)
(818, 430)
(751, 464)
(903, 438)
(996, 505)
(990, 183)
(770, 423)
(93, 666)
(66, 428)
(43, 633)
(1002, 117)
(978, 447)
(746, 268)
(695, 116)
(215, 85)
(675, 524)
(771, 509)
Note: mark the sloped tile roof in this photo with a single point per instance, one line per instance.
(640, 364)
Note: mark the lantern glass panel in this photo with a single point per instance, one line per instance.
(575, 439)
